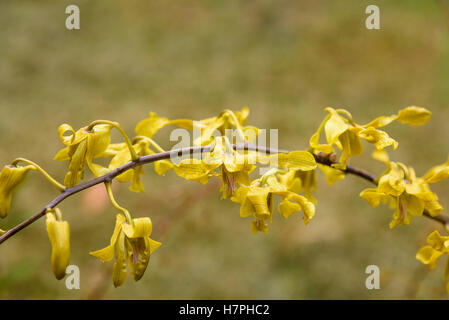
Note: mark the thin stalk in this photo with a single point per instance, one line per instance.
(46, 175)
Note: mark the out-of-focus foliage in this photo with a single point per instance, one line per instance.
(287, 60)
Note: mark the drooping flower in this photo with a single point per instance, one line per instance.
(10, 178)
(408, 194)
(429, 254)
(82, 147)
(131, 246)
(342, 132)
(257, 200)
(300, 181)
(59, 235)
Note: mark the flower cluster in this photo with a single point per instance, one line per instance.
(288, 182)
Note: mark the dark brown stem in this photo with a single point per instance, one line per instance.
(320, 158)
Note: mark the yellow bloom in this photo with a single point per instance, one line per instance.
(400, 187)
(429, 254)
(122, 157)
(83, 147)
(10, 178)
(59, 235)
(257, 200)
(131, 246)
(342, 132)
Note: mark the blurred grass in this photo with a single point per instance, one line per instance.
(287, 60)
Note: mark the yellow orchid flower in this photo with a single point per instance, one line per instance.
(10, 178)
(257, 200)
(429, 254)
(342, 132)
(405, 192)
(59, 235)
(234, 166)
(131, 246)
(82, 147)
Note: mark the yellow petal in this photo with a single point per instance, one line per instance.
(209, 129)
(62, 155)
(379, 138)
(98, 140)
(66, 139)
(446, 273)
(107, 253)
(296, 160)
(76, 167)
(306, 205)
(242, 115)
(437, 174)
(161, 167)
(429, 256)
(382, 156)
(414, 206)
(352, 146)
(259, 200)
(137, 185)
(315, 139)
(332, 175)
(119, 271)
(10, 178)
(381, 121)
(437, 241)
(414, 116)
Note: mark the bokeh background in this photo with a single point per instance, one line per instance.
(286, 60)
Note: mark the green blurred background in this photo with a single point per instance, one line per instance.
(286, 60)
